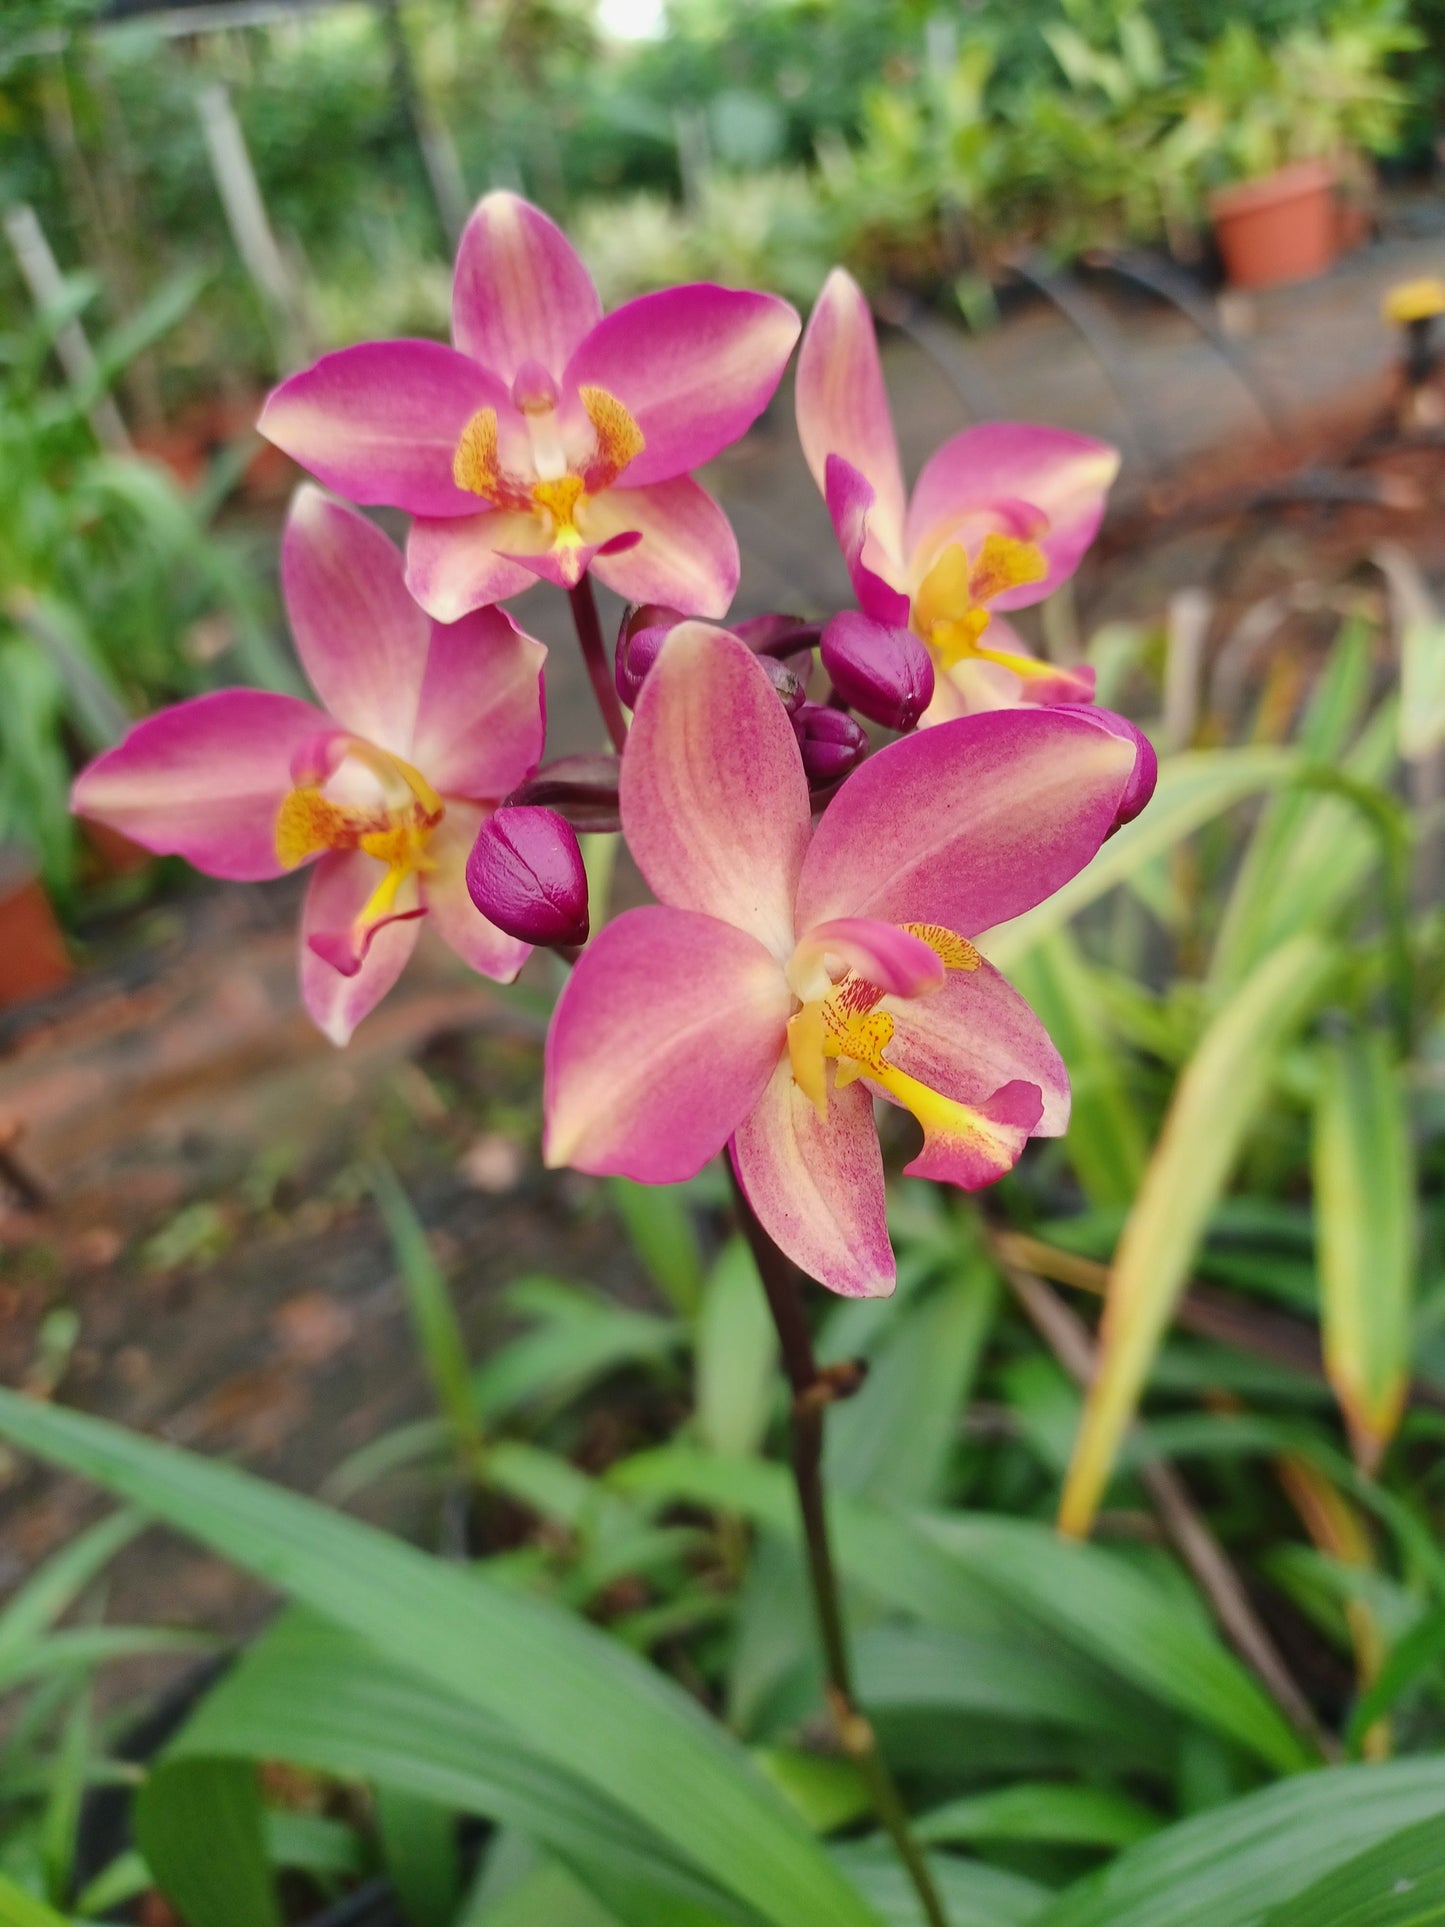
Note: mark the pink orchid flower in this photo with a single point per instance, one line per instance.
(552, 438)
(789, 975)
(1001, 515)
(422, 728)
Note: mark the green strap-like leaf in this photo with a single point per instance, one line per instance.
(200, 1827)
(575, 1696)
(1213, 1106)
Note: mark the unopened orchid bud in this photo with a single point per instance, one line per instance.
(644, 630)
(883, 672)
(525, 875)
(583, 789)
(831, 742)
(776, 634)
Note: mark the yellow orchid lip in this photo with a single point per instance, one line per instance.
(950, 609)
(396, 829)
(557, 490)
(846, 1026)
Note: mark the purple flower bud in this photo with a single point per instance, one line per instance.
(525, 875)
(644, 630)
(831, 742)
(884, 673)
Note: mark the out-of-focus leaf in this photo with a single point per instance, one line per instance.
(1364, 1183)
(570, 1693)
(1212, 1109)
(978, 1573)
(1229, 1867)
(433, 1315)
(79, 1648)
(736, 1356)
(1398, 1883)
(419, 1847)
(1420, 637)
(972, 1895)
(1106, 1142)
(61, 1580)
(1295, 825)
(892, 1441)
(20, 1909)
(1075, 1816)
(199, 1824)
(577, 1339)
(1416, 1654)
(1121, 1617)
(60, 1822)
(829, 1793)
(663, 1236)
(1193, 788)
(317, 1697)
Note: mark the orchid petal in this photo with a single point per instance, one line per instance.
(204, 780)
(968, 824)
(816, 1184)
(842, 404)
(694, 366)
(883, 953)
(688, 554)
(975, 1145)
(456, 919)
(974, 1036)
(455, 566)
(663, 1040)
(361, 638)
(338, 890)
(380, 422)
(982, 477)
(1140, 786)
(564, 564)
(520, 292)
(850, 504)
(714, 800)
(481, 716)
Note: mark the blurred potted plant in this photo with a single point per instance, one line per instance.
(1272, 131)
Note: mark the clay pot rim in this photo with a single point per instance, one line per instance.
(1289, 183)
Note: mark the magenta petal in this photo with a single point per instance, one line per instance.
(340, 885)
(361, 638)
(985, 1144)
(565, 563)
(842, 404)
(974, 1036)
(967, 824)
(381, 422)
(982, 476)
(694, 366)
(204, 780)
(884, 953)
(816, 1184)
(520, 293)
(664, 1038)
(453, 567)
(480, 718)
(450, 910)
(850, 503)
(714, 800)
(687, 556)
(1141, 784)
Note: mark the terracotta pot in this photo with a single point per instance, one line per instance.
(33, 957)
(1280, 229)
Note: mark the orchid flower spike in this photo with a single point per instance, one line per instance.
(550, 439)
(789, 975)
(1001, 515)
(422, 728)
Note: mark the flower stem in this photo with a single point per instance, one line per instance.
(813, 1392)
(594, 654)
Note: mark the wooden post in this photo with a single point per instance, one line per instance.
(41, 274)
(250, 227)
